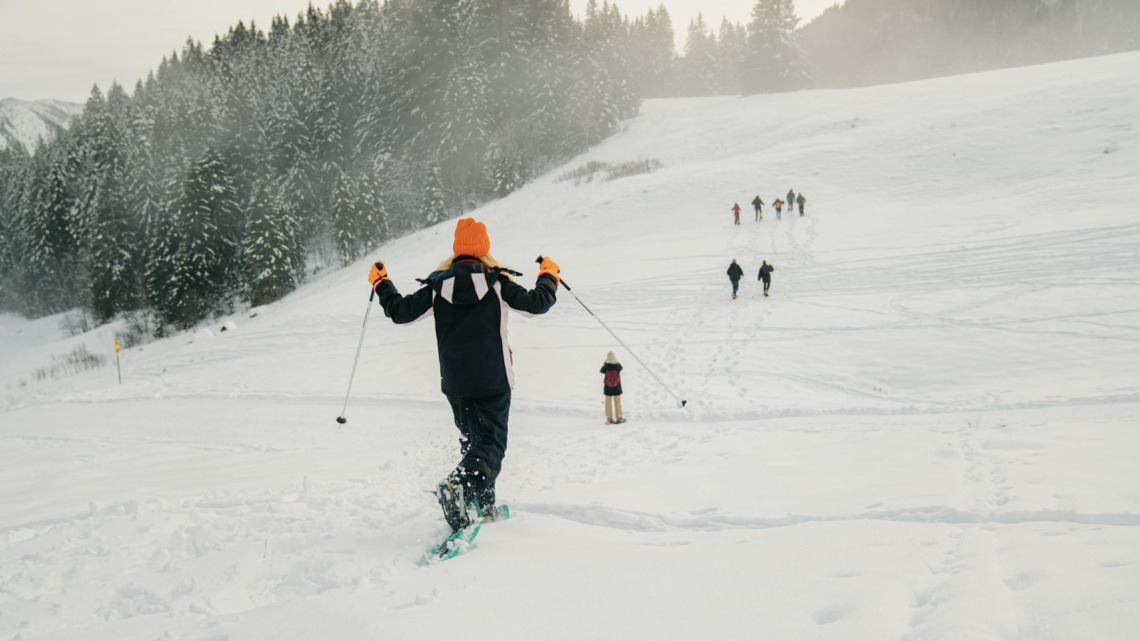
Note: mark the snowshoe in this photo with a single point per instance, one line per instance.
(609, 421)
(496, 513)
(457, 511)
(619, 421)
(464, 517)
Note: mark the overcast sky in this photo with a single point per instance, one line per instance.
(59, 48)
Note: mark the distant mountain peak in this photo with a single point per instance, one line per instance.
(26, 122)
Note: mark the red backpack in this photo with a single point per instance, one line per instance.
(613, 378)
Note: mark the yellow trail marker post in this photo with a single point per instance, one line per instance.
(117, 366)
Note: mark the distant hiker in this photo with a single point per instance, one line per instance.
(612, 389)
(736, 212)
(735, 273)
(469, 294)
(800, 201)
(778, 204)
(757, 204)
(766, 276)
(791, 199)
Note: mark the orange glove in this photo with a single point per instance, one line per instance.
(379, 273)
(548, 266)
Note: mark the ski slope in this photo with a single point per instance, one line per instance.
(928, 431)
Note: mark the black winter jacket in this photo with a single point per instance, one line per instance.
(735, 272)
(757, 203)
(470, 304)
(766, 272)
(615, 389)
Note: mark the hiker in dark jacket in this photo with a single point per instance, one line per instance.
(757, 204)
(612, 389)
(766, 276)
(735, 273)
(469, 295)
(800, 201)
(791, 199)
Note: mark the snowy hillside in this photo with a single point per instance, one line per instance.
(929, 431)
(27, 122)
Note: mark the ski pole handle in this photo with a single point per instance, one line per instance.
(561, 281)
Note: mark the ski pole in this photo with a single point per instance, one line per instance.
(341, 419)
(680, 402)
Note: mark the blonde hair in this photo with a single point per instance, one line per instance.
(488, 260)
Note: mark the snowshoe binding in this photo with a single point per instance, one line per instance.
(463, 516)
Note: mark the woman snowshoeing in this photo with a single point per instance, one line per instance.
(469, 294)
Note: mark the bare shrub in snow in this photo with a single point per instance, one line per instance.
(632, 168)
(76, 361)
(138, 329)
(610, 171)
(76, 322)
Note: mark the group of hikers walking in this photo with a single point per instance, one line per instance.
(736, 272)
(778, 204)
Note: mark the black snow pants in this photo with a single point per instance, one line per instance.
(482, 424)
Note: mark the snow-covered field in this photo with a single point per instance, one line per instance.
(931, 430)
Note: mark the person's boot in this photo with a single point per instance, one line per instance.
(457, 509)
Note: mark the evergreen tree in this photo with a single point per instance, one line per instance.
(348, 225)
(732, 54)
(775, 61)
(702, 67)
(269, 244)
(14, 171)
(435, 208)
(112, 271)
(204, 261)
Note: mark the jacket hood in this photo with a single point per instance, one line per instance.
(611, 359)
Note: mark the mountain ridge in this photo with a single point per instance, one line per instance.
(25, 122)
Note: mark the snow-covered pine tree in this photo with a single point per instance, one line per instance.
(658, 73)
(435, 202)
(701, 65)
(204, 261)
(347, 223)
(465, 121)
(112, 272)
(732, 52)
(775, 61)
(269, 248)
(15, 166)
(50, 243)
(374, 224)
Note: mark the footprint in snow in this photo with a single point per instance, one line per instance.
(828, 616)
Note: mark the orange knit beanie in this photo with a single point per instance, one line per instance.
(471, 239)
